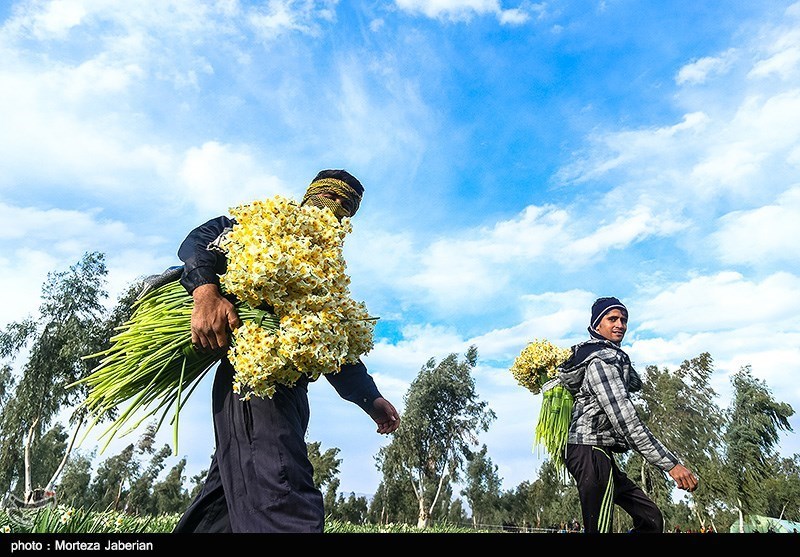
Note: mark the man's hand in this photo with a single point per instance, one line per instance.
(213, 318)
(683, 477)
(385, 416)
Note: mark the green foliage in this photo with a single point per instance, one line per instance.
(70, 520)
(128, 481)
(755, 422)
(783, 490)
(443, 416)
(73, 489)
(352, 509)
(169, 496)
(326, 465)
(394, 502)
(483, 488)
(65, 329)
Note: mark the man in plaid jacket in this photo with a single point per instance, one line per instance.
(604, 421)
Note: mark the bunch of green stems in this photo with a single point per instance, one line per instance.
(151, 365)
(552, 428)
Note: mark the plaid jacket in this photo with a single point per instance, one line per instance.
(600, 376)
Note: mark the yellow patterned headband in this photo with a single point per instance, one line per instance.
(339, 187)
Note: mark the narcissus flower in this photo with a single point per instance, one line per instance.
(286, 269)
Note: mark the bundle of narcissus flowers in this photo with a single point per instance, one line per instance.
(536, 369)
(290, 258)
(280, 255)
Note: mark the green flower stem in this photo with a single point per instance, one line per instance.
(151, 364)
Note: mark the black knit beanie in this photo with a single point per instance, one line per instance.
(602, 306)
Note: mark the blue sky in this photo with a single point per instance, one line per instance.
(520, 159)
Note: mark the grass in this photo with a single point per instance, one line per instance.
(68, 520)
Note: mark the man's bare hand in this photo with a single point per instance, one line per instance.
(213, 319)
(683, 477)
(385, 415)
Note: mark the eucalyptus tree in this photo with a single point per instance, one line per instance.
(169, 496)
(326, 470)
(73, 485)
(483, 488)
(393, 501)
(109, 487)
(326, 464)
(783, 489)
(755, 421)
(442, 418)
(55, 342)
(6, 383)
(680, 408)
(140, 498)
(352, 509)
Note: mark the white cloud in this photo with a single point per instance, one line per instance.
(217, 176)
(52, 114)
(762, 236)
(560, 317)
(779, 53)
(22, 273)
(651, 152)
(277, 17)
(514, 16)
(703, 68)
(44, 241)
(725, 301)
(476, 265)
(627, 228)
(418, 344)
(736, 142)
(372, 124)
(463, 10)
(783, 64)
(465, 272)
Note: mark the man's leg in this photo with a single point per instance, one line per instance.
(647, 517)
(263, 460)
(208, 513)
(591, 468)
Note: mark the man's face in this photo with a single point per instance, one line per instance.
(344, 202)
(337, 204)
(613, 325)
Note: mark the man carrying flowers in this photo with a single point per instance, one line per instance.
(604, 421)
(260, 479)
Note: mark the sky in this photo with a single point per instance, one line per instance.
(519, 159)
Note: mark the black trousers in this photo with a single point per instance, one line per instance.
(601, 485)
(260, 479)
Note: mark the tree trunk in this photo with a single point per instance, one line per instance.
(424, 519)
(436, 496)
(419, 492)
(643, 477)
(700, 519)
(741, 517)
(119, 495)
(51, 484)
(28, 495)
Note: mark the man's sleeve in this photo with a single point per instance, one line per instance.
(354, 384)
(201, 265)
(604, 379)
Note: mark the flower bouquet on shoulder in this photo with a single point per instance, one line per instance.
(280, 256)
(537, 368)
